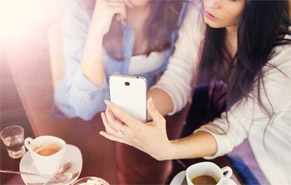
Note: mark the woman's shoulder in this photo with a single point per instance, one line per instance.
(281, 54)
(194, 20)
(194, 14)
(195, 10)
(195, 5)
(76, 17)
(280, 60)
(87, 5)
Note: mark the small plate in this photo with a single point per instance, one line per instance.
(95, 180)
(72, 154)
(180, 179)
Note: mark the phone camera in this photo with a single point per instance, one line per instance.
(127, 83)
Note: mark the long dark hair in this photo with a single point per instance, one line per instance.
(162, 21)
(262, 26)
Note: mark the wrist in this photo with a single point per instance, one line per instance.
(95, 35)
(170, 154)
(98, 28)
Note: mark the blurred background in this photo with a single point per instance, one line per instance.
(30, 47)
(18, 17)
(30, 40)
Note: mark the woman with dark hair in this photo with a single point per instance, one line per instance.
(103, 37)
(247, 46)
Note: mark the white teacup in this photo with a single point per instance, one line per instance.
(47, 153)
(221, 175)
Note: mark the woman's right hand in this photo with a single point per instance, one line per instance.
(104, 12)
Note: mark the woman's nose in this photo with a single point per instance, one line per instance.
(212, 3)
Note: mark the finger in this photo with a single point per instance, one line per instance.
(109, 3)
(128, 4)
(123, 116)
(117, 125)
(115, 4)
(124, 128)
(111, 119)
(153, 112)
(108, 128)
(123, 15)
(120, 11)
(119, 8)
(113, 1)
(105, 123)
(118, 17)
(112, 137)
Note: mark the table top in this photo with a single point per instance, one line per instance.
(99, 154)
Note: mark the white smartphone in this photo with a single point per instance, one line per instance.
(130, 94)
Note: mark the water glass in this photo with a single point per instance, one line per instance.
(13, 139)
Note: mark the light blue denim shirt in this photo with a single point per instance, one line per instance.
(76, 95)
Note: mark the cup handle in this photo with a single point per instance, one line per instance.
(27, 142)
(228, 172)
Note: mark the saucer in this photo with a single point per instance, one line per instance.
(180, 179)
(72, 154)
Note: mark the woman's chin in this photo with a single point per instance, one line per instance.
(212, 23)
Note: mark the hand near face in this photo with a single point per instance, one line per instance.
(149, 137)
(104, 12)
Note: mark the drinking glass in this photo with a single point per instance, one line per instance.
(13, 139)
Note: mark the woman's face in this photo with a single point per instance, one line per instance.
(223, 13)
(138, 2)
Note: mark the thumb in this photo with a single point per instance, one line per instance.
(128, 4)
(123, 16)
(153, 112)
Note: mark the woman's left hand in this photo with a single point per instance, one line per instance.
(149, 137)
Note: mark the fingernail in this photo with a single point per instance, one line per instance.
(151, 101)
(106, 102)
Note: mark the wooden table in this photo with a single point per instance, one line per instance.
(99, 154)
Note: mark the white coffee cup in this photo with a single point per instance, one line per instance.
(221, 175)
(46, 164)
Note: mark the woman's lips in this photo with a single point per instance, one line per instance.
(209, 15)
